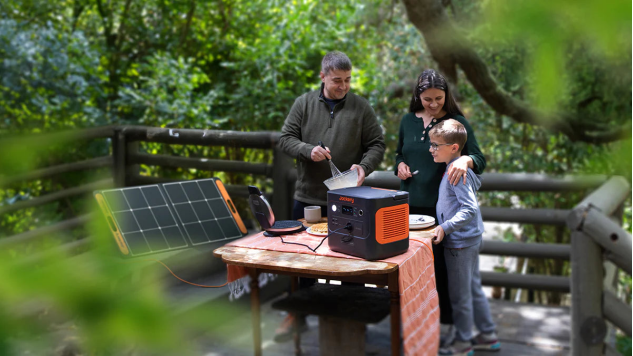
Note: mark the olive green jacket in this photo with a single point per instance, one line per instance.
(351, 132)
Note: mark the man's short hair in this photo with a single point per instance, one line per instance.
(335, 61)
(451, 131)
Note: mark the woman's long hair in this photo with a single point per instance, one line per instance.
(430, 78)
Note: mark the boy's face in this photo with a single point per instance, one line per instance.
(442, 151)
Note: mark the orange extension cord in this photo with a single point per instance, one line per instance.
(193, 284)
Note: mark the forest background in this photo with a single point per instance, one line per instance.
(546, 86)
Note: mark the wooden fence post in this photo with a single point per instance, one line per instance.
(118, 158)
(612, 277)
(283, 189)
(131, 170)
(587, 320)
(122, 171)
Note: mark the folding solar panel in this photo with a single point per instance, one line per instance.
(163, 217)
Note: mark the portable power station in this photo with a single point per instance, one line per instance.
(378, 218)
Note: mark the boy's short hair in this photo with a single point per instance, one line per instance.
(451, 131)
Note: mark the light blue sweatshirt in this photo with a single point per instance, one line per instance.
(458, 211)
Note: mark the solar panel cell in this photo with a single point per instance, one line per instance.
(164, 216)
(136, 242)
(174, 237)
(116, 200)
(193, 191)
(156, 240)
(212, 228)
(229, 228)
(209, 189)
(153, 196)
(219, 208)
(145, 219)
(202, 210)
(176, 193)
(126, 221)
(135, 198)
(185, 213)
(196, 233)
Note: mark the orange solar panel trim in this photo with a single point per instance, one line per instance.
(112, 225)
(229, 203)
(392, 223)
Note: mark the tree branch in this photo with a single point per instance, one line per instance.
(107, 27)
(123, 22)
(185, 30)
(78, 9)
(449, 48)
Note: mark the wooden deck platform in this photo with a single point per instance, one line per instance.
(524, 329)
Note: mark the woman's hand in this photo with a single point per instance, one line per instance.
(404, 172)
(459, 169)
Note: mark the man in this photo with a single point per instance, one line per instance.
(347, 126)
(343, 121)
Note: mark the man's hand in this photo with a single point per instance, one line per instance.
(318, 154)
(404, 172)
(459, 169)
(361, 174)
(438, 235)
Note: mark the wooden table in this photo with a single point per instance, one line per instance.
(314, 266)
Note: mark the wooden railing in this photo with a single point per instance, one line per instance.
(596, 238)
(598, 244)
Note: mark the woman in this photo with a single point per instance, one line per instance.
(432, 102)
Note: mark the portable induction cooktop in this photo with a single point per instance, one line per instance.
(266, 218)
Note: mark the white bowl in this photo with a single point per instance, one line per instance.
(347, 179)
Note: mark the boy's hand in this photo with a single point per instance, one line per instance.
(438, 235)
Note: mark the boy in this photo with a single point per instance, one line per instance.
(460, 222)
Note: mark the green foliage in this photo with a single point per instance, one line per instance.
(48, 79)
(550, 29)
(624, 345)
(166, 94)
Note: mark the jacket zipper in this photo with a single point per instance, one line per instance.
(331, 117)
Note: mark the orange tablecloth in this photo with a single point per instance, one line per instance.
(419, 304)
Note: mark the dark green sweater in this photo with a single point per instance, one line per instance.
(351, 132)
(413, 149)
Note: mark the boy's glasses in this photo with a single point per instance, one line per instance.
(435, 146)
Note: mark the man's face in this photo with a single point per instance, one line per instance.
(336, 83)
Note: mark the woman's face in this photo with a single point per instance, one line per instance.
(433, 101)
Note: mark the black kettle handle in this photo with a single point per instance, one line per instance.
(254, 190)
